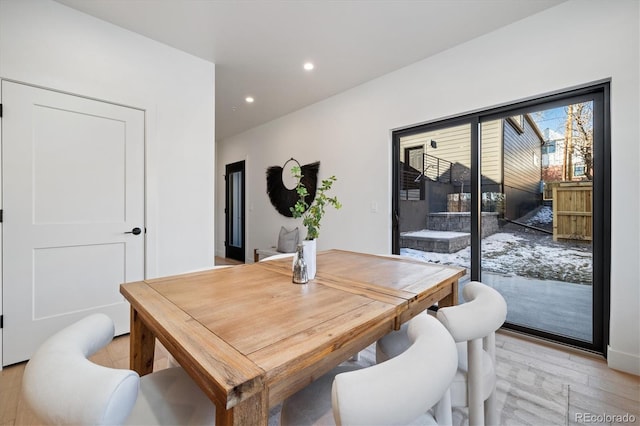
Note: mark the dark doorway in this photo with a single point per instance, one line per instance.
(234, 211)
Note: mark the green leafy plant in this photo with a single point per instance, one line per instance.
(312, 214)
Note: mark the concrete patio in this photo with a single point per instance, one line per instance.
(553, 306)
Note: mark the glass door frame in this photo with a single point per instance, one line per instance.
(234, 252)
(598, 93)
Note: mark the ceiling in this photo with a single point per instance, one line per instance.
(259, 46)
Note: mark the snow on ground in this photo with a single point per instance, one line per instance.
(510, 254)
(544, 216)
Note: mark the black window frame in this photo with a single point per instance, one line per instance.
(599, 92)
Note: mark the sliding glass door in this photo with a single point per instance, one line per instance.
(540, 255)
(434, 218)
(518, 196)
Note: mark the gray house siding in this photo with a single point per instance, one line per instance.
(522, 167)
(511, 164)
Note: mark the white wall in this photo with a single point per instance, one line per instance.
(350, 134)
(47, 44)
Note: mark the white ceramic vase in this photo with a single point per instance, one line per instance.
(310, 257)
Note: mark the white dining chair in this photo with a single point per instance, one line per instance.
(62, 386)
(473, 325)
(400, 391)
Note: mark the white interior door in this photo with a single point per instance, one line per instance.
(73, 185)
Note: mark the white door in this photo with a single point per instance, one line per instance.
(73, 185)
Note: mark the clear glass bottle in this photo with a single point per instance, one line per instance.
(300, 267)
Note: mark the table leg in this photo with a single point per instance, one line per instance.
(142, 345)
(252, 411)
(452, 298)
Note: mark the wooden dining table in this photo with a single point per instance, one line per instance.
(249, 337)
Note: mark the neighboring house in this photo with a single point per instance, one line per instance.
(552, 155)
(440, 160)
(553, 152)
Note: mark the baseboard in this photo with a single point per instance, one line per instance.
(551, 343)
(629, 363)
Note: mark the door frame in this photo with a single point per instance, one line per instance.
(600, 92)
(236, 253)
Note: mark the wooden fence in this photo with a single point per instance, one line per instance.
(572, 211)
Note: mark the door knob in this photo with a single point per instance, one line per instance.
(134, 231)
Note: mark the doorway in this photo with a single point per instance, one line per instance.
(235, 211)
(520, 197)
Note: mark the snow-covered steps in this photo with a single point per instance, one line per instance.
(461, 222)
(435, 241)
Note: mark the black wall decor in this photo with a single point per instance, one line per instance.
(284, 198)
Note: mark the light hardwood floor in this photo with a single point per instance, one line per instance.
(226, 261)
(538, 384)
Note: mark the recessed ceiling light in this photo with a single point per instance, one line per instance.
(308, 66)
(249, 99)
